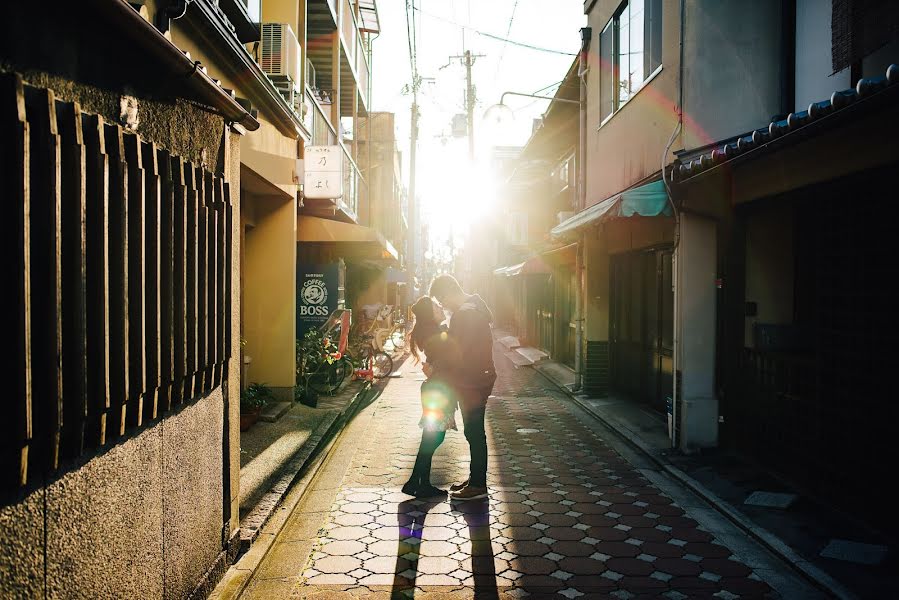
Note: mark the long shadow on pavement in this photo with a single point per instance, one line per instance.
(477, 515)
(411, 515)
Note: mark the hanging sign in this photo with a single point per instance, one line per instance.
(323, 179)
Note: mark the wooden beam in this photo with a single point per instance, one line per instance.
(166, 280)
(97, 249)
(136, 281)
(46, 285)
(118, 279)
(74, 276)
(16, 428)
(180, 391)
(152, 201)
(191, 387)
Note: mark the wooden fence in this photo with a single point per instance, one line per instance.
(119, 260)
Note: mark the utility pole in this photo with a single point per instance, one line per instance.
(413, 205)
(468, 60)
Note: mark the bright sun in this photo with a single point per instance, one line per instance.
(455, 193)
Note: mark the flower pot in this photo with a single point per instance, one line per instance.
(309, 397)
(247, 419)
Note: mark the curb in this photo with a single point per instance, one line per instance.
(802, 566)
(239, 573)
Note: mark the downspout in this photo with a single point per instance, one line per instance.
(583, 67)
(676, 271)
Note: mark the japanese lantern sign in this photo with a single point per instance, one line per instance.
(324, 173)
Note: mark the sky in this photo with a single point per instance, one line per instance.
(451, 189)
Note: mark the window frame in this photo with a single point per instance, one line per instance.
(614, 23)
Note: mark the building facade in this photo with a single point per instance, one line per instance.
(717, 280)
(158, 171)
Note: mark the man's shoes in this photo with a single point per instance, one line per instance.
(470, 492)
(429, 491)
(459, 486)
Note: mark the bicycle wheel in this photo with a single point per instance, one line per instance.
(381, 364)
(328, 378)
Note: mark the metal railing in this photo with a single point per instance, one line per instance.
(324, 134)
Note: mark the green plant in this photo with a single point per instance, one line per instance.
(314, 351)
(254, 397)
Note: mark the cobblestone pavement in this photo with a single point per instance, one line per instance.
(568, 515)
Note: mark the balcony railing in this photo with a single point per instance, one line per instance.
(349, 30)
(362, 69)
(324, 134)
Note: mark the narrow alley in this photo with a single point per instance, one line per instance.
(572, 512)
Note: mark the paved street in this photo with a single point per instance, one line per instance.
(572, 513)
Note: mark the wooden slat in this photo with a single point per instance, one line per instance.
(202, 244)
(118, 280)
(16, 427)
(222, 316)
(166, 280)
(136, 281)
(97, 247)
(228, 269)
(152, 192)
(46, 288)
(211, 282)
(74, 275)
(180, 393)
(193, 207)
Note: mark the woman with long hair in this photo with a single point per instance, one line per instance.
(438, 402)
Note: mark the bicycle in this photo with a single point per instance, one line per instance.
(329, 376)
(373, 363)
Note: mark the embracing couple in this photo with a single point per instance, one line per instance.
(460, 372)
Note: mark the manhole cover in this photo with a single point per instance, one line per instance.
(527, 431)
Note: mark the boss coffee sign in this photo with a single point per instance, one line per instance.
(317, 295)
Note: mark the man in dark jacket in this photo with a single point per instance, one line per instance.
(471, 372)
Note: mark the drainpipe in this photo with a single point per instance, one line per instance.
(586, 34)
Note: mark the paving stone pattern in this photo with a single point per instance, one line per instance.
(567, 515)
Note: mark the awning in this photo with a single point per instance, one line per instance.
(360, 240)
(535, 265)
(650, 200)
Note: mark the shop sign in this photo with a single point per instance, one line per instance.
(323, 179)
(317, 295)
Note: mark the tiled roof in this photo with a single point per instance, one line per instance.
(684, 169)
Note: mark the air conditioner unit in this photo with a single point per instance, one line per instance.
(281, 56)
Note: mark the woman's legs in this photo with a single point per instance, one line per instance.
(430, 441)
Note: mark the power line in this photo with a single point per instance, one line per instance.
(493, 37)
(502, 52)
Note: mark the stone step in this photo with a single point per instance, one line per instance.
(274, 411)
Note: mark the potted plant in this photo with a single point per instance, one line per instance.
(252, 399)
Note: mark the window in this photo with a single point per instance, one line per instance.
(630, 50)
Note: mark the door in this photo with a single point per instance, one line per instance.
(641, 326)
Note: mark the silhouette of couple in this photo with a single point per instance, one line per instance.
(460, 373)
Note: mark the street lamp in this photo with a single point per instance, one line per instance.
(500, 113)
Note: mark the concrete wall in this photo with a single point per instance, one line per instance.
(144, 517)
(732, 68)
(695, 305)
(628, 146)
(815, 79)
(769, 267)
(142, 520)
(269, 293)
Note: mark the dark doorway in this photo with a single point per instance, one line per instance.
(642, 325)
